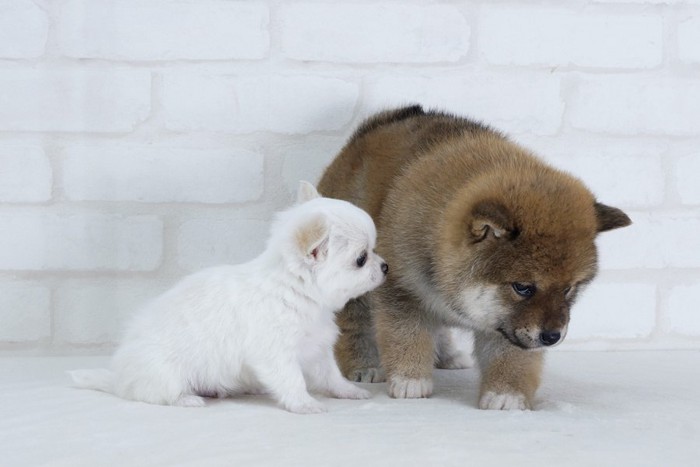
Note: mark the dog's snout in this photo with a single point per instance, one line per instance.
(385, 268)
(550, 337)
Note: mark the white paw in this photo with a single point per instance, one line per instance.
(403, 388)
(508, 401)
(368, 375)
(189, 400)
(350, 392)
(307, 407)
(458, 361)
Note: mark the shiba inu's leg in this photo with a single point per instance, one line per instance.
(405, 343)
(448, 356)
(356, 347)
(509, 375)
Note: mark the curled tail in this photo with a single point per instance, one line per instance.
(100, 379)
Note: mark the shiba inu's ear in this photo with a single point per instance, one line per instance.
(490, 219)
(312, 239)
(610, 218)
(306, 192)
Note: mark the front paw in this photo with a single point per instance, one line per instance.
(503, 401)
(368, 375)
(308, 406)
(350, 392)
(458, 361)
(407, 388)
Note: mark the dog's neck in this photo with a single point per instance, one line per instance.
(294, 273)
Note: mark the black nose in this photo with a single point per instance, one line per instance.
(385, 268)
(549, 338)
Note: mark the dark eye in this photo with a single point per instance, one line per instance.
(524, 290)
(362, 260)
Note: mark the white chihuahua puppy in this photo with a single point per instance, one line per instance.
(263, 326)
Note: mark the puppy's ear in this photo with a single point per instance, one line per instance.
(490, 220)
(306, 192)
(312, 239)
(610, 218)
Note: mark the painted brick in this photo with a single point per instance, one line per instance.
(371, 33)
(614, 311)
(689, 40)
(634, 104)
(96, 313)
(25, 313)
(78, 100)
(24, 28)
(213, 241)
(522, 102)
(682, 311)
(157, 174)
(42, 240)
(25, 174)
(284, 104)
(163, 30)
(653, 2)
(687, 171)
(529, 35)
(654, 241)
(307, 161)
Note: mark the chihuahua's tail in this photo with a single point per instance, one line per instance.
(100, 379)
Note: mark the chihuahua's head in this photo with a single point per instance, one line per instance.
(331, 245)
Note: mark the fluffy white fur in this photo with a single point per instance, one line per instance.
(263, 326)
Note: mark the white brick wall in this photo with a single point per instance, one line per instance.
(688, 38)
(76, 100)
(26, 174)
(244, 104)
(95, 312)
(26, 312)
(163, 30)
(392, 32)
(155, 174)
(38, 240)
(143, 139)
(23, 29)
(681, 310)
(530, 35)
(637, 104)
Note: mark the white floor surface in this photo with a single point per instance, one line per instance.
(593, 409)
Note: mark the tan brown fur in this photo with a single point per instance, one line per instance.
(462, 213)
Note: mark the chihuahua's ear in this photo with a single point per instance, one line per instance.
(609, 218)
(312, 239)
(306, 192)
(490, 220)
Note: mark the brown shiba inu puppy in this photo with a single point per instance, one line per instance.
(479, 234)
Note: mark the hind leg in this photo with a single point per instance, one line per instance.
(153, 382)
(451, 355)
(356, 347)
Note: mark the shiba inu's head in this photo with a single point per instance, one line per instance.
(331, 243)
(519, 248)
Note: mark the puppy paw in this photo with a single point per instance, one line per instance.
(350, 392)
(306, 407)
(404, 388)
(368, 375)
(189, 400)
(458, 361)
(509, 401)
